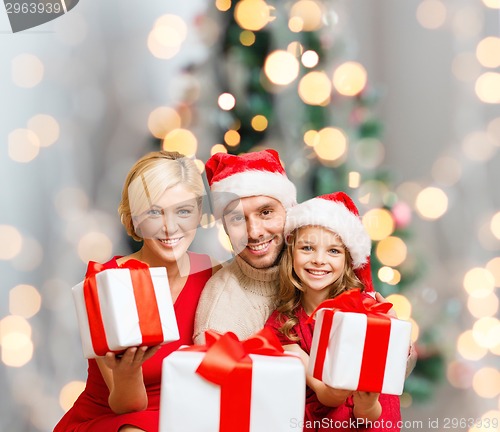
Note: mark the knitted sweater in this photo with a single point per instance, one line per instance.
(238, 298)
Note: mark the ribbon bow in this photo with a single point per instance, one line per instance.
(147, 307)
(353, 301)
(227, 363)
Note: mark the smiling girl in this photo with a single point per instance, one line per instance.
(326, 245)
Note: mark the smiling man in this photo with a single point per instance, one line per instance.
(251, 193)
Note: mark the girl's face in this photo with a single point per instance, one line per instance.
(318, 257)
(168, 227)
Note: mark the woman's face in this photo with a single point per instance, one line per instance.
(168, 227)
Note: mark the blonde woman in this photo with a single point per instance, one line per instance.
(160, 206)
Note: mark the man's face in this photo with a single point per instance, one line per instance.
(255, 227)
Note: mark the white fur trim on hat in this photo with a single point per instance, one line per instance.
(336, 217)
(252, 183)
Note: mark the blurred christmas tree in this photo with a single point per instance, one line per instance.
(286, 81)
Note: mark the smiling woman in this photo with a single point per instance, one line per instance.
(161, 206)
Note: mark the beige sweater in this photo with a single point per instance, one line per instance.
(238, 298)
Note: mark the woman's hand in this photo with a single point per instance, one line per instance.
(366, 406)
(123, 376)
(130, 360)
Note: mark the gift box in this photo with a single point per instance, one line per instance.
(225, 387)
(123, 307)
(357, 346)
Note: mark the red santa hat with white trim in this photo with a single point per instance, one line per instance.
(250, 174)
(338, 213)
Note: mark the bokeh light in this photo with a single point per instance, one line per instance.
(167, 36)
(218, 148)
(310, 58)
(493, 4)
(223, 5)
(401, 304)
(431, 203)
(12, 242)
(350, 78)
(315, 88)
(224, 239)
(226, 101)
(369, 152)
(200, 165)
(24, 145)
(486, 382)
(495, 225)
(391, 251)
(232, 138)
(15, 340)
(252, 14)
(415, 330)
(493, 129)
(468, 348)
(486, 332)
(247, 38)
(69, 393)
(488, 52)
(306, 15)
(27, 70)
(447, 170)
(480, 307)
(331, 144)
(259, 123)
(354, 179)
(24, 300)
(281, 67)
(311, 137)
(431, 14)
(94, 246)
(182, 141)
(163, 120)
(459, 374)
(488, 87)
(467, 22)
(479, 282)
(46, 129)
(493, 266)
(379, 223)
(479, 146)
(465, 67)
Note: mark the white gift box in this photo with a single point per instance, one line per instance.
(190, 403)
(343, 360)
(119, 312)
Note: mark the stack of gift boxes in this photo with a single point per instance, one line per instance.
(250, 385)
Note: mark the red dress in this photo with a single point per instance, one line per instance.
(322, 418)
(91, 411)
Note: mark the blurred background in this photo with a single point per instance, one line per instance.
(395, 102)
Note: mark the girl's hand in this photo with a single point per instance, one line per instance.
(366, 406)
(330, 396)
(381, 299)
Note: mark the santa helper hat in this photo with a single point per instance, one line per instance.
(338, 213)
(250, 174)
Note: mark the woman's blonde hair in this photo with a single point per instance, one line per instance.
(291, 290)
(148, 179)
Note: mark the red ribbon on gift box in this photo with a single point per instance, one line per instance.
(145, 298)
(227, 364)
(377, 336)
